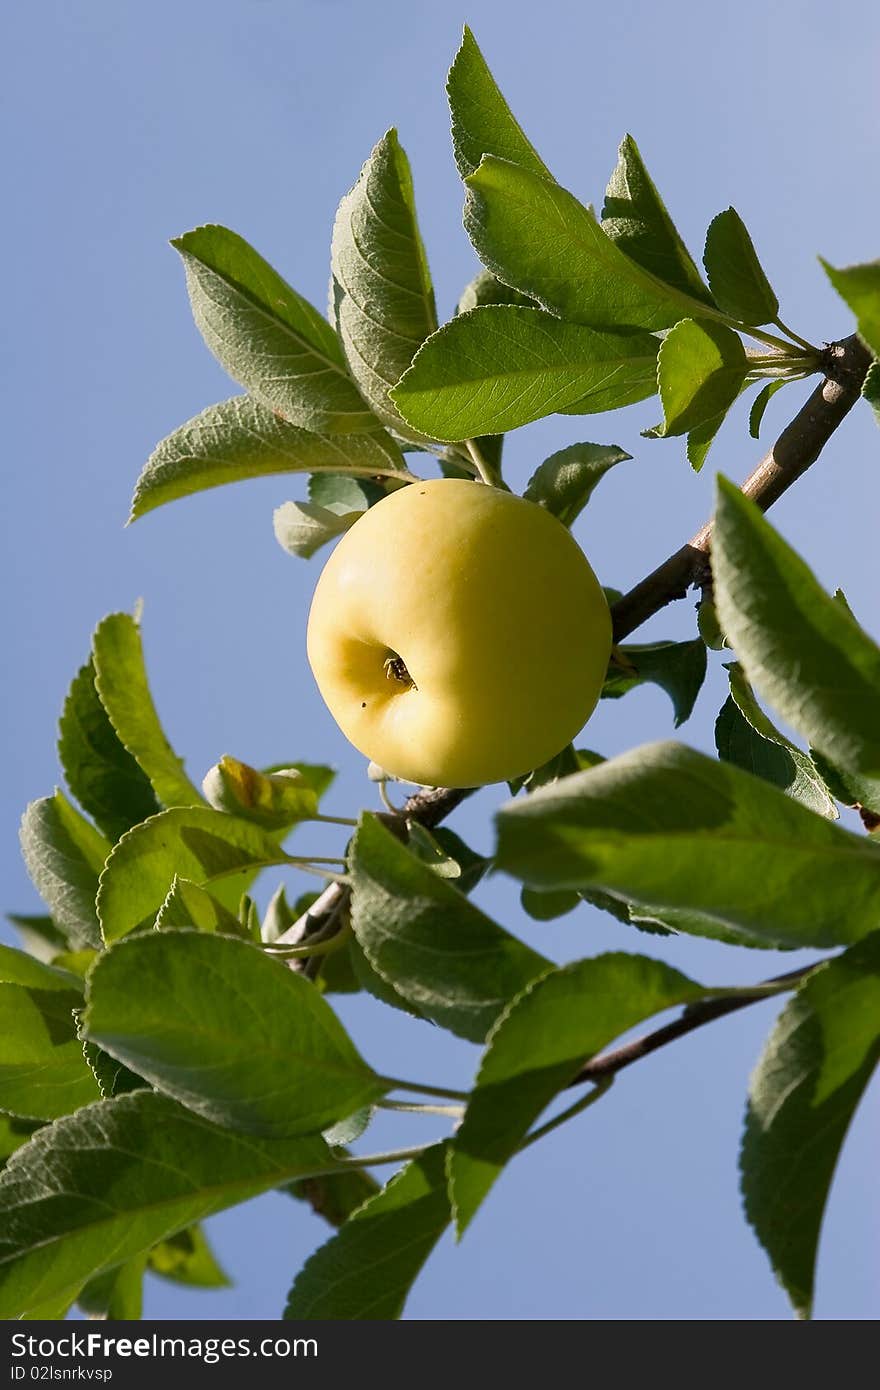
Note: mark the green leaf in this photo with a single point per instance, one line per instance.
(384, 299)
(121, 680)
(428, 849)
(679, 668)
(240, 439)
(187, 1258)
(546, 907)
(42, 1070)
(471, 866)
(98, 1187)
(736, 278)
(565, 482)
(535, 235)
(336, 1196)
(859, 287)
(340, 492)
(270, 339)
(39, 935)
(811, 1076)
(365, 1271)
(668, 828)
(193, 842)
(64, 855)
(700, 371)
(538, 1047)
(116, 1295)
(437, 951)
(701, 438)
(494, 369)
(635, 217)
(871, 389)
(103, 776)
(188, 904)
(274, 800)
(14, 1131)
(301, 528)
(760, 403)
(800, 649)
(745, 736)
(230, 1033)
(482, 121)
(18, 968)
(112, 1077)
(349, 1129)
(486, 288)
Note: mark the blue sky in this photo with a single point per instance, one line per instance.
(125, 125)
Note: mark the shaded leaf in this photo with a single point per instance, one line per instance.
(121, 680)
(270, 339)
(187, 1258)
(538, 1046)
(188, 904)
(39, 935)
(367, 1269)
(666, 827)
(101, 773)
(700, 370)
(535, 235)
(809, 1080)
(635, 217)
(301, 528)
(486, 288)
(482, 121)
(679, 668)
(736, 277)
(98, 1187)
(240, 439)
(42, 1070)
(384, 298)
(871, 389)
(436, 950)
(228, 1032)
(192, 842)
(859, 287)
(337, 1195)
(800, 649)
(745, 736)
(760, 403)
(64, 854)
(117, 1294)
(565, 482)
(496, 368)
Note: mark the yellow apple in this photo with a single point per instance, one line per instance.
(458, 634)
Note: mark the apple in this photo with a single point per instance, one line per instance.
(458, 634)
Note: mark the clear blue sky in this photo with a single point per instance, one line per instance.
(126, 124)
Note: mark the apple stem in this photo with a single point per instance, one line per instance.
(489, 475)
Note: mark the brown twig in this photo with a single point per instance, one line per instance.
(845, 365)
(695, 1016)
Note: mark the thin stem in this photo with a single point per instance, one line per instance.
(488, 474)
(374, 1160)
(386, 800)
(772, 341)
(444, 1092)
(455, 1111)
(569, 1113)
(694, 1016)
(796, 337)
(335, 820)
(324, 947)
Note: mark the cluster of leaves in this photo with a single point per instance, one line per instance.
(165, 1052)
